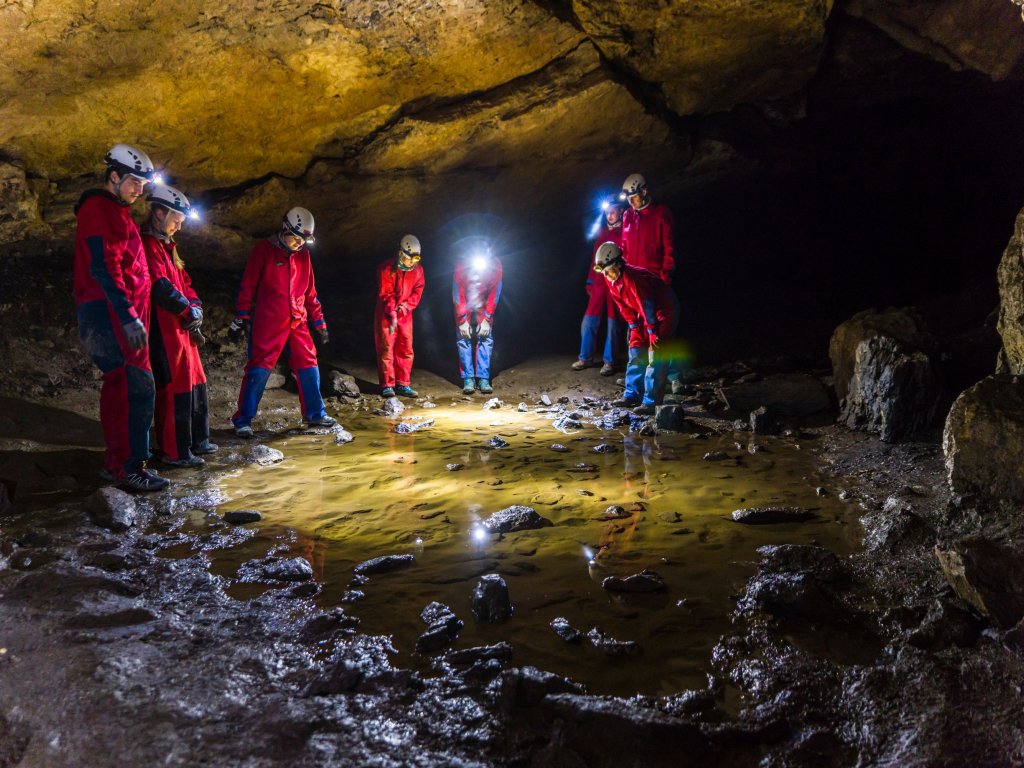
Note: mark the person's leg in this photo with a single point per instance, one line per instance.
(615, 343)
(302, 357)
(385, 343)
(636, 364)
(201, 419)
(655, 377)
(265, 347)
(590, 326)
(403, 351)
(141, 403)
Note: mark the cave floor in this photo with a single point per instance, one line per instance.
(167, 644)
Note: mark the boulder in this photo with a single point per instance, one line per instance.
(989, 575)
(670, 418)
(515, 518)
(771, 515)
(801, 558)
(342, 385)
(292, 569)
(792, 595)
(490, 601)
(884, 376)
(983, 441)
(114, 509)
(384, 564)
(442, 628)
(19, 205)
(1011, 300)
(789, 394)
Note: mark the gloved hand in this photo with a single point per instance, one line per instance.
(484, 329)
(197, 338)
(393, 325)
(192, 319)
(322, 335)
(402, 310)
(464, 330)
(135, 333)
(652, 338)
(238, 329)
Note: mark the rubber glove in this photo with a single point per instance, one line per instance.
(464, 330)
(322, 335)
(192, 318)
(484, 329)
(135, 333)
(238, 329)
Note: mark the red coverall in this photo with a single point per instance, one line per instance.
(599, 304)
(182, 403)
(395, 288)
(475, 294)
(111, 288)
(280, 286)
(647, 240)
(649, 306)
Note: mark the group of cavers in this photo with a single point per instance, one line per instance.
(140, 320)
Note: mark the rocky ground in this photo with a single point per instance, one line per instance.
(112, 653)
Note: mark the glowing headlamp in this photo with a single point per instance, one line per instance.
(479, 262)
(193, 214)
(157, 179)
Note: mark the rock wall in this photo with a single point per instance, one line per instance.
(1011, 301)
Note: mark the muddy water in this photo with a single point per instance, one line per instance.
(389, 493)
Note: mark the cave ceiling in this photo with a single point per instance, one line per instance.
(383, 115)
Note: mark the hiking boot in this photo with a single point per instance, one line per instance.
(579, 365)
(143, 479)
(187, 462)
(468, 386)
(485, 386)
(608, 369)
(387, 392)
(245, 432)
(626, 402)
(644, 410)
(404, 390)
(204, 447)
(322, 421)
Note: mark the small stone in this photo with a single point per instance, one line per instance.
(559, 448)
(393, 407)
(413, 425)
(497, 442)
(515, 518)
(292, 569)
(490, 601)
(545, 400)
(821, 491)
(645, 581)
(342, 436)
(605, 448)
(584, 492)
(610, 646)
(522, 408)
(716, 456)
(614, 512)
(240, 516)
(352, 596)
(454, 467)
(113, 508)
(565, 423)
(565, 630)
(772, 515)
(493, 404)
(264, 455)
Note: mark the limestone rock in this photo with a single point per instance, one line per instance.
(342, 384)
(801, 558)
(291, 569)
(490, 601)
(789, 394)
(442, 628)
(987, 574)
(515, 518)
(670, 418)
(645, 581)
(1011, 299)
(114, 509)
(19, 205)
(241, 516)
(264, 455)
(772, 515)
(884, 377)
(983, 441)
(384, 564)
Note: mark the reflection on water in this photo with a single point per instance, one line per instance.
(388, 493)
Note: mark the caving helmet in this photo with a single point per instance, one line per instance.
(299, 222)
(410, 246)
(635, 184)
(607, 255)
(170, 198)
(130, 161)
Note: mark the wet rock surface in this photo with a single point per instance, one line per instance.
(988, 575)
(645, 581)
(384, 564)
(114, 509)
(242, 516)
(772, 515)
(490, 601)
(442, 628)
(515, 518)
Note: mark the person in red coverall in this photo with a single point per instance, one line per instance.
(112, 288)
(648, 231)
(182, 402)
(649, 306)
(600, 304)
(277, 306)
(476, 288)
(399, 288)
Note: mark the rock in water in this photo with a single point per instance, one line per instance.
(558, 447)
(497, 442)
(413, 426)
(645, 581)
(515, 518)
(393, 407)
(610, 646)
(565, 630)
(384, 564)
(605, 448)
(493, 404)
(264, 455)
(771, 515)
(670, 418)
(113, 508)
(565, 423)
(342, 436)
(442, 628)
(240, 516)
(490, 600)
(522, 408)
(292, 569)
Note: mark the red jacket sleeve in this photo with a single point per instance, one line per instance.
(107, 249)
(386, 288)
(314, 312)
(459, 295)
(250, 282)
(616, 290)
(493, 292)
(667, 235)
(416, 291)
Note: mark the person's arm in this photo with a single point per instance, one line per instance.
(314, 312)
(667, 235)
(459, 295)
(107, 248)
(386, 289)
(493, 292)
(416, 292)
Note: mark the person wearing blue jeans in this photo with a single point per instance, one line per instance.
(476, 288)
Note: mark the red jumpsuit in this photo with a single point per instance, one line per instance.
(182, 403)
(647, 240)
(278, 295)
(396, 288)
(111, 288)
(601, 304)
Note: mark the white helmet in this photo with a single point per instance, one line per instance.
(299, 222)
(607, 254)
(170, 198)
(410, 245)
(129, 161)
(634, 184)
